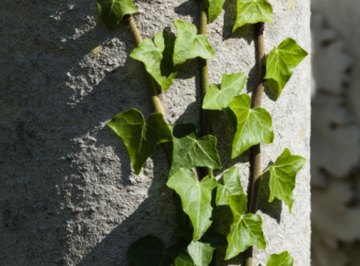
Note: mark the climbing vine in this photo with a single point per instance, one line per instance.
(189, 153)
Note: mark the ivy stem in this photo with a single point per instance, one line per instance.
(255, 153)
(150, 81)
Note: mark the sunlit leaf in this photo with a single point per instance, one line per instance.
(112, 11)
(189, 44)
(280, 65)
(183, 259)
(151, 53)
(140, 137)
(254, 126)
(246, 230)
(201, 253)
(282, 176)
(195, 198)
(252, 12)
(189, 152)
(231, 186)
(231, 86)
(282, 259)
(215, 8)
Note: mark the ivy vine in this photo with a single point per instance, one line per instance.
(202, 194)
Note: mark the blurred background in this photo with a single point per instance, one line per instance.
(336, 133)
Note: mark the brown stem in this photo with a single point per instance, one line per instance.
(255, 155)
(150, 81)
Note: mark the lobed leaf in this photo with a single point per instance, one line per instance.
(252, 12)
(254, 126)
(112, 11)
(151, 53)
(140, 137)
(231, 86)
(232, 186)
(280, 65)
(282, 259)
(183, 259)
(148, 250)
(201, 253)
(189, 44)
(282, 176)
(195, 198)
(189, 152)
(246, 230)
(214, 9)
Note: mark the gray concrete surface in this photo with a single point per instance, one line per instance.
(68, 195)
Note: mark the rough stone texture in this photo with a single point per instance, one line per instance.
(336, 134)
(68, 195)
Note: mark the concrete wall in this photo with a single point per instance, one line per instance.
(68, 195)
(336, 133)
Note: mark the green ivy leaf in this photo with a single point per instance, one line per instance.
(140, 137)
(189, 152)
(215, 8)
(151, 53)
(195, 198)
(183, 259)
(280, 65)
(282, 176)
(231, 86)
(189, 45)
(246, 229)
(252, 12)
(282, 259)
(254, 126)
(231, 186)
(148, 250)
(112, 11)
(201, 253)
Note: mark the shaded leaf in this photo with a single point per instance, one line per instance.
(252, 12)
(148, 250)
(183, 259)
(189, 152)
(231, 86)
(282, 176)
(280, 65)
(140, 137)
(246, 229)
(282, 259)
(201, 253)
(214, 238)
(189, 44)
(195, 198)
(215, 8)
(231, 186)
(112, 11)
(151, 54)
(254, 126)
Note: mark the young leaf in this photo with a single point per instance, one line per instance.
(231, 186)
(252, 12)
(112, 11)
(189, 45)
(201, 253)
(189, 152)
(246, 229)
(215, 8)
(151, 54)
(254, 126)
(195, 198)
(231, 86)
(282, 176)
(148, 250)
(280, 65)
(282, 259)
(183, 259)
(140, 137)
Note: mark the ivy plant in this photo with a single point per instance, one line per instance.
(202, 195)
